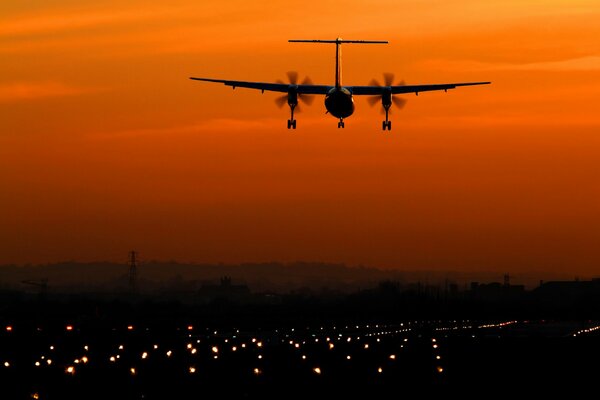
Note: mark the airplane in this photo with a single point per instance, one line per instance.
(339, 99)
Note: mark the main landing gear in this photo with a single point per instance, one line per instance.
(291, 123)
(387, 124)
(341, 123)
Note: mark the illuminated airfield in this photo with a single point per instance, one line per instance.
(133, 362)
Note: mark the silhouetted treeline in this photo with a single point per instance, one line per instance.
(388, 301)
(157, 277)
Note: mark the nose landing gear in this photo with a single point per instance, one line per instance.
(341, 123)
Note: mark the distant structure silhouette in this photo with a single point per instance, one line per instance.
(132, 270)
(225, 291)
(42, 284)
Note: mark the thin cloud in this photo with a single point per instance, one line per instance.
(577, 64)
(23, 91)
(588, 63)
(73, 20)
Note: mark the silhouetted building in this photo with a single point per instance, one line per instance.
(224, 291)
(497, 291)
(569, 291)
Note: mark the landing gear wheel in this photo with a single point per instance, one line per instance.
(386, 125)
(341, 124)
(291, 124)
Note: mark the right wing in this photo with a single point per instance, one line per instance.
(271, 87)
(374, 90)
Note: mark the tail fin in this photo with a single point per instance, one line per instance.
(338, 52)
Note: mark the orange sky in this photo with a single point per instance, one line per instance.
(106, 146)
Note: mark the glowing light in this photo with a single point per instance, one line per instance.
(155, 346)
(189, 345)
(438, 357)
(144, 355)
(303, 357)
(9, 328)
(435, 346)
(51, 347)
(194, 351)
(69, 327)
(132, 371)
(440, 369)
(348, 357)
(86, 348)
(190, 327)
(331, 346)
(253, 340)
(317, 370)
(215, 349)
(260, 356)
(121, 347)
(76, 361)
(169, 353)
(259, 344)
(129, 327)
(35, 396)
(37, 363)
(366, 345)
(70, 370)
(84, 359)
(112, 359)
(49, 361)
(380, 370)
(192, 370)
(257, 371)
(243, 345)
(6, 364)
(234, 348)
(392, 357)
(297, 345)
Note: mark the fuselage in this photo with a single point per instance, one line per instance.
(339, 102)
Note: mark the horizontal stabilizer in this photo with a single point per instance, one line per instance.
(338, 40)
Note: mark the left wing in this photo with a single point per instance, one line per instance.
(271, 87)
(375, 90)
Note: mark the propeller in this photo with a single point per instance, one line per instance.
(292, 91)
(388, 79)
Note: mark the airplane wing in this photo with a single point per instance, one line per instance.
(271, 87)
(375, 90)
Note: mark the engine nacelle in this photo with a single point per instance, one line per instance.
(293, 95)
(386, 97)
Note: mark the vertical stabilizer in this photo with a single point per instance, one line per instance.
(338, 52)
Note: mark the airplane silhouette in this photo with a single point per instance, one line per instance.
(339, 100)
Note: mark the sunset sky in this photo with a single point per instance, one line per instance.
(106, 146)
